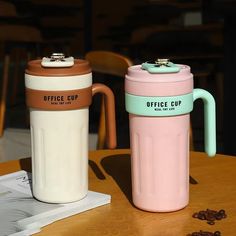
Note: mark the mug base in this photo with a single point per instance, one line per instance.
(161, 210)
(55, 200)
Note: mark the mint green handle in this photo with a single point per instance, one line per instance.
(209, 120)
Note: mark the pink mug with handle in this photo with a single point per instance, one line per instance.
(159, 97)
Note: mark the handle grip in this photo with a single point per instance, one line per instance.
(209, 120)
(109, 113)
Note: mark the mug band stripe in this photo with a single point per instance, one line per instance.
(59, 100)
(159, 106)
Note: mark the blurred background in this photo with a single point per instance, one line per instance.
(198, 33)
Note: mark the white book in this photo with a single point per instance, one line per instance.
(23, 215)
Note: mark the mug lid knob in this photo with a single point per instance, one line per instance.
(160, 66)
(57, 60)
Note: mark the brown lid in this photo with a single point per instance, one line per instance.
(80, 67)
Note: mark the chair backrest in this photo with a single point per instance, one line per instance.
(20, 33)
(107, 63)
(7, 9)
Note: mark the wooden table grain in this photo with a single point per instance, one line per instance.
(109, 172)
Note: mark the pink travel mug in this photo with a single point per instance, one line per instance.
(159, 97)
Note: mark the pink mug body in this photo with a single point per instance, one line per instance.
(160, 162)
(159, 143)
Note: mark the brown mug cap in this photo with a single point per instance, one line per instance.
(80, 67)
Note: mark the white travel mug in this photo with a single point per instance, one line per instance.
(59, 91)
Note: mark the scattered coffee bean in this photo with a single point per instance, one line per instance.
(218, 216)
(210, 215)
(210, 222)
(195, 215)
(217, 233)
(205, 233)
(222, 212)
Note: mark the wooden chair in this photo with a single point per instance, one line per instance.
(107, 63)
(7, 9)
(15, 38)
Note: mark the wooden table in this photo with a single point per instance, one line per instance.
(109, 172)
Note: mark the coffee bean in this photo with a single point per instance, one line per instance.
(202, 212)
(205, 233)
(195, 234)
(210, 215)
(218, 216)
(217, 233)
(222, 211)
(210, 222)
(201, 217)
(195, 215)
